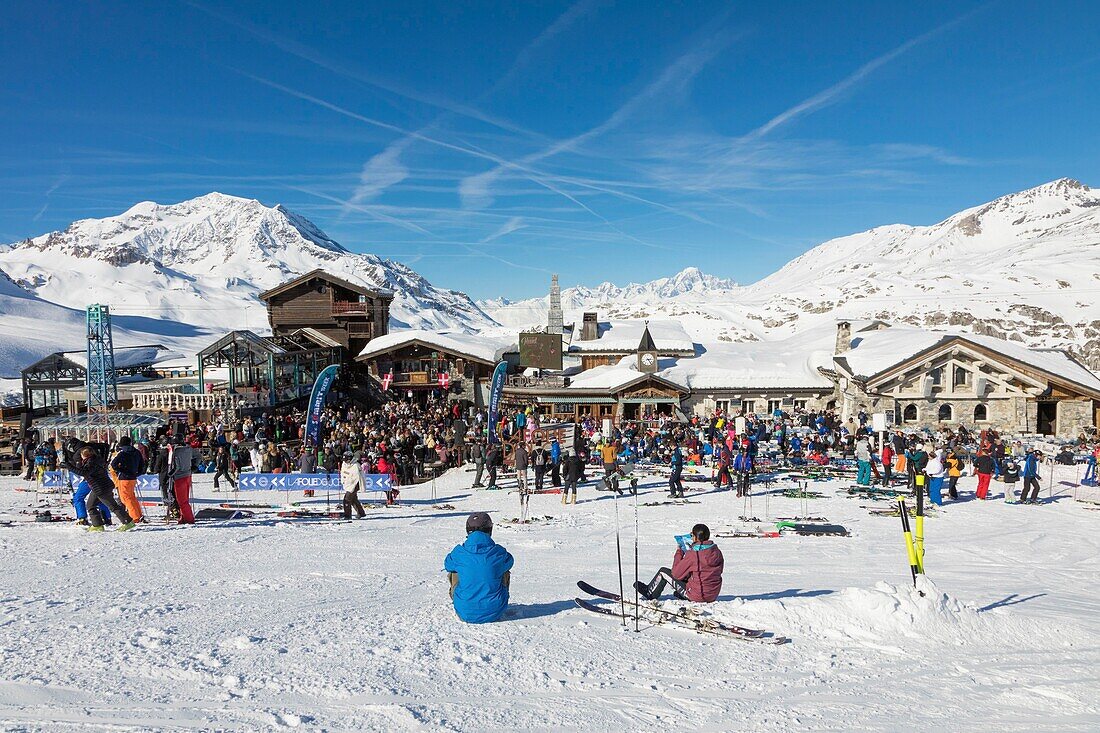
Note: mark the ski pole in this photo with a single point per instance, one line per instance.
(918, 538)
(636, 599)
(619, 555)
(909, 548)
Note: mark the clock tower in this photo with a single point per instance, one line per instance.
(647, 353)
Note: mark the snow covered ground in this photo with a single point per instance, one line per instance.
(269, 624)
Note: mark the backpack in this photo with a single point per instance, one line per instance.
(540, 457)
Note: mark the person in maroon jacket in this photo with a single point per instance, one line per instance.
(696, 572)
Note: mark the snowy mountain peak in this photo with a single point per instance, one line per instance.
(211, 253)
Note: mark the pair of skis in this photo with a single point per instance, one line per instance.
(681, 618)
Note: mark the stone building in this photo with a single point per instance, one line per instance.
(935, 378)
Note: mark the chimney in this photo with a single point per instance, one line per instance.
(590, 327)
(843, 337)
(555, 319)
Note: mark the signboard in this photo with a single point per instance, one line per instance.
(317, 402)
(495, 392)
(60, 479)
(303, 481)
(882, 421)
(540, 350)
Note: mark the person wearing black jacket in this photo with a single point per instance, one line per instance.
(478, 452)
(572, 466)
(160, 467)
(91, 466)
(222, 467)
(492, 460)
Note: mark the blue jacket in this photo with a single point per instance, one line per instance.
(1031, 466)
(480, 596)
(555, 452)
(677, 460)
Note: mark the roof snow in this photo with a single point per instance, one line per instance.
(127, 357)
(791, 363)
(877, 351)
(478, 346)
(624, 337)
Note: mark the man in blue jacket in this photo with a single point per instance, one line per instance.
(1031, 477)
(479, 571)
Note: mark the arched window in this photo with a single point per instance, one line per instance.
(962, 377)
(909, 414)
(945, 413)
(981, 413)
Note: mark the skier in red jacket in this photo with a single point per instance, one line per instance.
(696, 572)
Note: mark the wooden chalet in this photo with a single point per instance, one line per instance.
(345, 312)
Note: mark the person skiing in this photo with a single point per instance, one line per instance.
(696, 572)
(610, 458)
(93, 469)
(1031, 477)
(676, 462)
(127, 466)
(221, 467)
(479, 572)
(743, 467)
(351, 480)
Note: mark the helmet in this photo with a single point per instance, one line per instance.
(479, 522)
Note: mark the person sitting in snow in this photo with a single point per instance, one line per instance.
(479, 571)
(696, 572)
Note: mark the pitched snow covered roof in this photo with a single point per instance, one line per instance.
(127, 357)
(875, 352)
(479, 347)
(623, 337)
(614, 377)
(790, 364)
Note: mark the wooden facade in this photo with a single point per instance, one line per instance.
(416, 367)
(349, 314)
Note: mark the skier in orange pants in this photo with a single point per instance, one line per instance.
(126, 466)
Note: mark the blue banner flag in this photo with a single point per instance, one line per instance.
(317, 402)
(496, 389)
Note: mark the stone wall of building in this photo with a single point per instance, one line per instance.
(1074, 416)
(705, 403)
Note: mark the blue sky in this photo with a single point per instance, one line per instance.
(489, 144)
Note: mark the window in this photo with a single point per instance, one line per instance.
(981, 413)
(962, 377)
(909, 414)
(800, 404)
(937, 376)
(774, 405)
(945, 413)
(748, 407)
(722, 406)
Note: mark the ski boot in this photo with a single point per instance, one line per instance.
(94, 528)
(125, 527)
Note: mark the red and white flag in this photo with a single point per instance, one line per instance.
(387, 380)
(444, 380)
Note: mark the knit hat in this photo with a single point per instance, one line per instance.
(479, 522)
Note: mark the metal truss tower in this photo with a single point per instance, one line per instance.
(102, 382)
(555, 318)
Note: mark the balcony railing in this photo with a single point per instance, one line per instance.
(171, 401)
(347, 307)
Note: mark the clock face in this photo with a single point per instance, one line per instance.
(647, 359)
